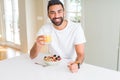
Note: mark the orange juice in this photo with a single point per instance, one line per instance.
(47, 38)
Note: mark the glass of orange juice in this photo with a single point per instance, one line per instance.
(48, 40)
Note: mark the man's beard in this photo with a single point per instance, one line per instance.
(57, 23)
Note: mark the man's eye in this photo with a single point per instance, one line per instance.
(60, 11)
(52, 12)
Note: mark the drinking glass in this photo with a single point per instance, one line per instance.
(48, 40)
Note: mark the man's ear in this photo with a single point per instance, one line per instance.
(48, 15)
(64, 13)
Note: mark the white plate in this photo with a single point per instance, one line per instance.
(52, 63)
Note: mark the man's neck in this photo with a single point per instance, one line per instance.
(62, 26)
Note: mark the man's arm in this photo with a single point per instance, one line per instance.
(73, 66)
(80, 53)
(34, 51)
(37, 46)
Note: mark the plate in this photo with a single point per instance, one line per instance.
(52, 59)
(52, 63)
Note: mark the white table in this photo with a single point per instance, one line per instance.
(23, 68)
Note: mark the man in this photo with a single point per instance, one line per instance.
(67, 37)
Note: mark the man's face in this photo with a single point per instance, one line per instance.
(56, 14)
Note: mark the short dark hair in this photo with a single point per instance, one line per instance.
(54, 2)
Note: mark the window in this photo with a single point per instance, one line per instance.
(11, 21)
(73, 9)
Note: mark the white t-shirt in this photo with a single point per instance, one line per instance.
(63, 41)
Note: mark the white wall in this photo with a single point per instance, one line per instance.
(23, 25)
(35, 18)
(0, 22)
(119, 53)
(119, 36)
(101, 22)
(31, 18)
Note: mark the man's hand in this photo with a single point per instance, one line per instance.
(73, 67)
(40, 40)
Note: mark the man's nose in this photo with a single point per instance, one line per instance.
(56, 15)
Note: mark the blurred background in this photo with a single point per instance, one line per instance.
(20, 20)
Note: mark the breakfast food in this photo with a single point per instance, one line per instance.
(52, 58)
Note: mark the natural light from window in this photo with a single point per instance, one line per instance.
(11, 21)
(73, 9)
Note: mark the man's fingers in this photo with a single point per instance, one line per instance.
(73, 67)
(40, 40)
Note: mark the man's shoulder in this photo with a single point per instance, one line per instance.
(46, 25)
